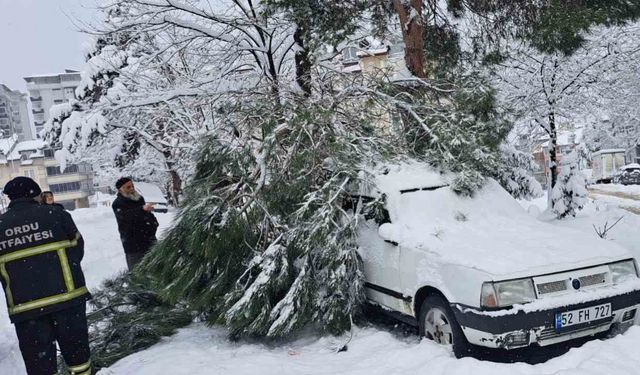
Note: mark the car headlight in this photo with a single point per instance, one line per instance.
(507, 293)
(623, 271)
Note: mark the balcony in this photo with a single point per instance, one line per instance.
(37, 111)
(38, 99)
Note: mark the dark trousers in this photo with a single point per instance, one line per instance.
(133, 259)
(38, 337)
(135, 250)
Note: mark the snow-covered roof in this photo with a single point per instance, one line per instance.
(630, 166)
(7, 143)
(609, 151)
(36, 146)
(566, 138)
(44, 75)
(373, 51)
(150, 192)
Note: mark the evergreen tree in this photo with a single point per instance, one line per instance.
(453, 125)
(262, 243)
(569, 195)
(125, 317)
(515, 174)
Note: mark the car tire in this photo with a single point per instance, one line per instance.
(437, 322)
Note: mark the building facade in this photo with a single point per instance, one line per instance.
(14, 115)
(71, 187)
(47, 90)
(633, 154)
(566, 144)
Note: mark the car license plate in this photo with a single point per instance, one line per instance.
(586, 315)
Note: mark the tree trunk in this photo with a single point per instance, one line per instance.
(176, 186)
(553, 146)
(303, 63)
(410, 15)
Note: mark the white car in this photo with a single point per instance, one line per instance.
(480, 270)
(153, 194)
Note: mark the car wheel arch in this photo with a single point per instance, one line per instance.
(422, 294)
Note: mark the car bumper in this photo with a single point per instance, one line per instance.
(520, 329)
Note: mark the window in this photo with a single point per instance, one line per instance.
(54, 171)
(350, 53)
(372, 208)
(2, 110)
(396, 48)
(69, 92)
(58, 101)
(65, 187)
(30, 173)
(48, 153)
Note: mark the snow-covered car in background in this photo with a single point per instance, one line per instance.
(479, 270)
(153, 194)
(629, 174)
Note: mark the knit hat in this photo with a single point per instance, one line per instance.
(121, 181)
(21, 187)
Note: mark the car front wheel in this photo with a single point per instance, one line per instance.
(438, 323)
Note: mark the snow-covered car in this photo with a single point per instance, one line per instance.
(480, 270)
(153, 194)
(629, 174)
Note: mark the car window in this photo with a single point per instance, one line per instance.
(372, 208)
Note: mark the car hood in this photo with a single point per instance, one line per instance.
(491, 233)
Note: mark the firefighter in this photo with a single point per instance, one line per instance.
(40, 254)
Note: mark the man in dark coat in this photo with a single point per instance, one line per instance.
(40, 254)
(136, 223)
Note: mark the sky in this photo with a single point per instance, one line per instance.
(39, 37)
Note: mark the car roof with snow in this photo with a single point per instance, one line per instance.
(150, 192)
(489, 231)
(630, 166)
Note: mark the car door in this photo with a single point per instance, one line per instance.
(380, 258)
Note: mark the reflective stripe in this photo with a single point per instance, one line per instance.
(80, 368)
(66, 270)
(59, 247)
(47, 301)
(25, 253)
(7, 289)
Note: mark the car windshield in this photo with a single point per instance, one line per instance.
(419, 206)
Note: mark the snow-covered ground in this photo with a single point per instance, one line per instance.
(600, 211)
(618, 188)
(103, 258)
(198, 349)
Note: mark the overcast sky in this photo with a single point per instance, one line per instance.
(39, 36)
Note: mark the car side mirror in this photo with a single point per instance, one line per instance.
(390, 233)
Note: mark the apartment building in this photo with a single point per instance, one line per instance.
(71, 187)
(14, 116)
(46, 90)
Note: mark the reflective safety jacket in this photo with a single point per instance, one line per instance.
(40, 254)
